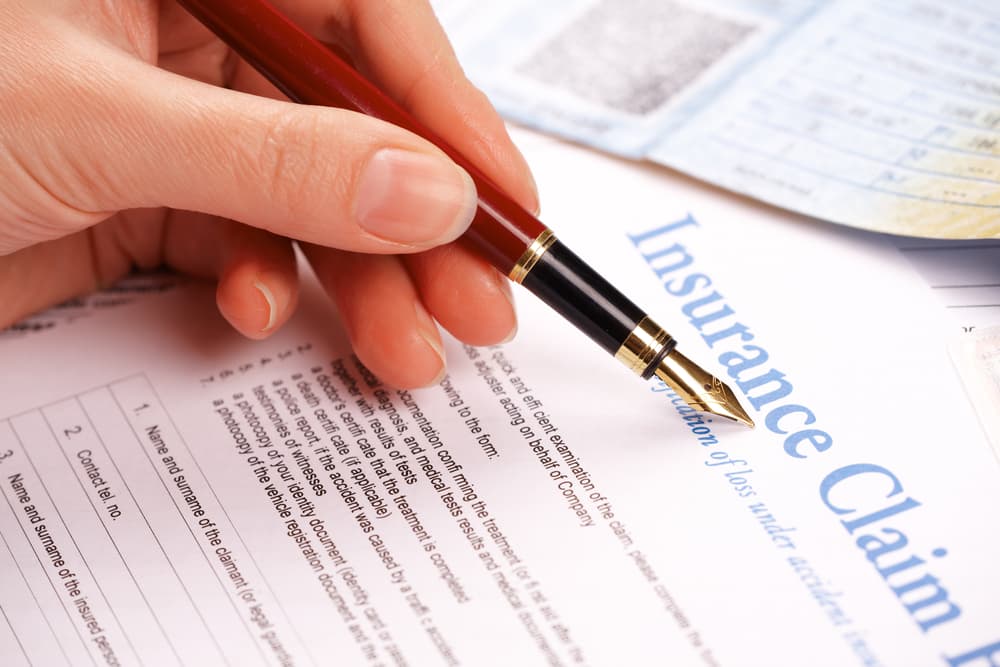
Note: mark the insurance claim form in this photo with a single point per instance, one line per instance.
(173, 494)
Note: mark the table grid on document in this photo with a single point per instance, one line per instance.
(75, 479)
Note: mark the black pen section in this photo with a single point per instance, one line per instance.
(578, 293)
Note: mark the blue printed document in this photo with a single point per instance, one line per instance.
(880, 114)
(179, 495)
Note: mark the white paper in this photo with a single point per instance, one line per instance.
(964, 276)
(656, 539)
(976, 353)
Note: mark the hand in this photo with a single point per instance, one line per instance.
(130, 136)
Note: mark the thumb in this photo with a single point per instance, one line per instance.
(143, 137)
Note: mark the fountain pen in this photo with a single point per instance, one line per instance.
(502, 231)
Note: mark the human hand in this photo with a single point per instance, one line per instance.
(130, 136)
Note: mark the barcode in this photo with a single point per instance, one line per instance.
(634, 55)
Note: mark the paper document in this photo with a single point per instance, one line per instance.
(179, 495)
(879, 114)
(965, 275)
(977, 357)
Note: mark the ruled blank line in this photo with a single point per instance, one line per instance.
(978, 246)
(964, 286)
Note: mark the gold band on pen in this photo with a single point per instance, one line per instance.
(643, 345)
(531, 256)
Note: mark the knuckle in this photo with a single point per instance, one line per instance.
(289, 161)
(441, 58)
(43, 201)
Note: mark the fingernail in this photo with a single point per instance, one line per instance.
(414, 198)
(537, 209)
(277, 299)
(510, 336)
(536, 206)
(428, 330)
(437, 379)
(504, 286)
(272, 304)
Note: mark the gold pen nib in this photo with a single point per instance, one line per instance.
(700, 389)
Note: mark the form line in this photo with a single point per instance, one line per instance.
(841, 179)
(965, 286)
(13, 632)
(183, 519)
(861, 64)
(225, 512)
(846, 89)
(138, 507)
(72, 537)
(908, 49)
(896, 135)
(848, 151)
(977, 246)
(901, 15)
(31, 590)
(41, 565)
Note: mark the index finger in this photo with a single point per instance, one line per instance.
(401, 46)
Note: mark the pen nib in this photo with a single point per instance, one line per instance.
(700, 389)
